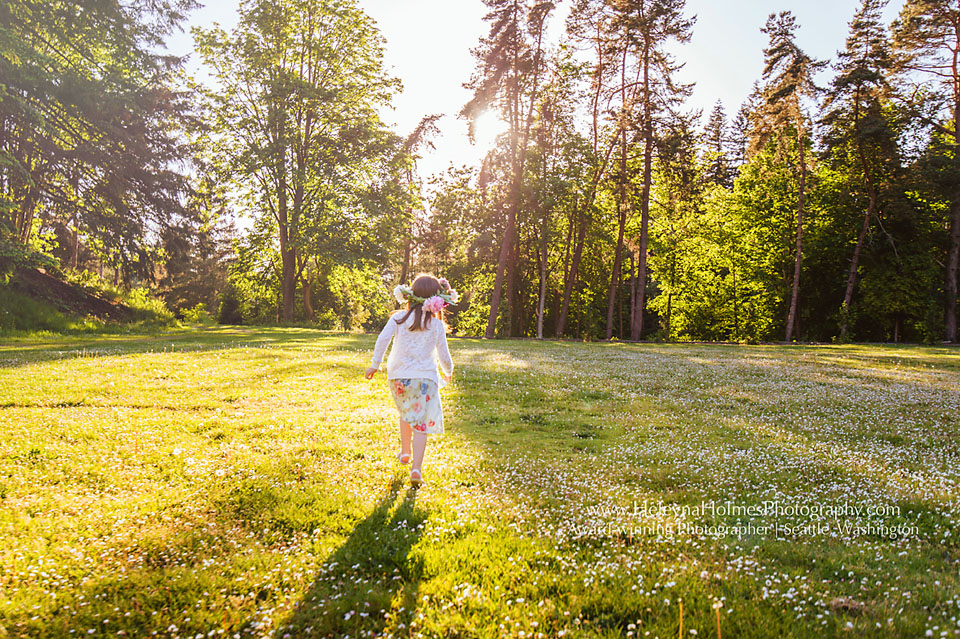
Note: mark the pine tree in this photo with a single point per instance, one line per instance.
(588, 23)
(741, 129)
(925, 37)
(648, 27)
(788, 74)
(855, 116)
(90, 125)
(508, 79)
(716, 143)
(419, 137)
(680, 182)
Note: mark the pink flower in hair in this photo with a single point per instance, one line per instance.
(444, 284)
(433, 304)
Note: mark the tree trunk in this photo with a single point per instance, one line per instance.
(572, 277)
(501, 267)
(519, 155)
(28, 209)
(864, 229)
(307, 302)
(636, 330)
(621, 226)
(75, 242)
(673, 281)
(544, 228)
(854, 262)
(633, 285)
(795, 294)
(953, 253)
(75, 221)
(515, 309)
(621, 196)
(736, 320)
(407, 248)
(288, 255)
(953, 262)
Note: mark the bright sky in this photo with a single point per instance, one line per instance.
(428, 46)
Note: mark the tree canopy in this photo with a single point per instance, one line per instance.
(825, 207)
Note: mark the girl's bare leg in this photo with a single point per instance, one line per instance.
(419, 447)
(405, 432)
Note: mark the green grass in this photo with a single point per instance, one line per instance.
(243, 482)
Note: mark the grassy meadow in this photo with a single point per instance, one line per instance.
(243, 483)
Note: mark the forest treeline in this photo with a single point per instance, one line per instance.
(825, 207)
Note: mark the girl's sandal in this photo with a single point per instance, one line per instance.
(403, 458)
(416, 478)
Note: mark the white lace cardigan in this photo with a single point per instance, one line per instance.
(414, 353)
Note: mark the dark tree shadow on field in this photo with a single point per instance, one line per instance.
(360, 580)
(18, 354)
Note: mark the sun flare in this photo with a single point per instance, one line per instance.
(487, 127)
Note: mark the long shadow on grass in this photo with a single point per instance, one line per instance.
(15, 355)
(362, 580)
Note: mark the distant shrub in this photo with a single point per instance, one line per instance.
(327, 320)
(231, 306)
(145, 305)
(140, 299)
(14, 255)
(93, 284)
(198, 315)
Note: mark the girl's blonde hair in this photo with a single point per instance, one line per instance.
(424, 286)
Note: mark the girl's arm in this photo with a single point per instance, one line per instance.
(443, 351)
(389, 330)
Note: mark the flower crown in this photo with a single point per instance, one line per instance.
(445, 296)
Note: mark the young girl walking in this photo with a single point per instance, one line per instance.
(419, 341)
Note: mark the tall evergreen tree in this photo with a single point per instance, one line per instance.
(716, 145)
(649, 27)
(741, 128)
(926, 36)
(90, 118)
(681, 176)
(788, 75)
(589, 23)
(857, 123)
(511, 63)
(419, 137)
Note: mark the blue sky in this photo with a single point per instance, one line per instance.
(428, 46)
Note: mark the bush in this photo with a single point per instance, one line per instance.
(145, 305)
(230, 311)
(198, 315)
(327, 320)
(14, 255)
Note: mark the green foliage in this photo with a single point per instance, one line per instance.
(230, 310)
(473, 312)
(145, 305)
(198, 315)
(15, 255)
(90, 118)
(296, 130)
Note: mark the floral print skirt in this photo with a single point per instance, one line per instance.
(418, 401)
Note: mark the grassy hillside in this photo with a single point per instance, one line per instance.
(244, 483)
(37, 302)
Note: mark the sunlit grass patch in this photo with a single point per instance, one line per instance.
(245, 481)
